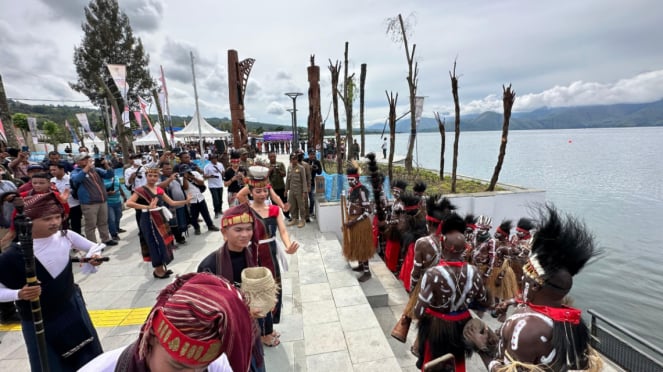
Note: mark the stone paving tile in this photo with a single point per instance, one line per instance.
(343, 278)
(382, 365)
(316, 292)
(357, 317)
(323, 338)
(329, 362)
(280, 357)
(348, 296)
(319, 312)
(291, 327)
(367, 345)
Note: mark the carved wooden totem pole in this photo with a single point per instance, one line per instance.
(314, 116)
(238, 76)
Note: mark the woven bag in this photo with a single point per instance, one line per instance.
(260, 289)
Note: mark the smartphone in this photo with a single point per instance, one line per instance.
(25, 148)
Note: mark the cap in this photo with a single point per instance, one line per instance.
(80, 157)
(33, 167)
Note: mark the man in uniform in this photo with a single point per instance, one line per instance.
(316, 169)
(297, 189)
(276, 178)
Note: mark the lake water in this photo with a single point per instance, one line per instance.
(611, 178)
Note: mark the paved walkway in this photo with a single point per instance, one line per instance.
(327, 323)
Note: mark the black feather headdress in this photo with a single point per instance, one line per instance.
(399, 184)
(453, 222)
(504, 228)
(419, 187)
(525, 224)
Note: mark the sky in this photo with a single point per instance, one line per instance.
(562, 53)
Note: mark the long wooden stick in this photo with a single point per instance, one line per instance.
(23, 225)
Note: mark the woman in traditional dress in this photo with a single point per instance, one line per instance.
(154, 226)
(272, 217)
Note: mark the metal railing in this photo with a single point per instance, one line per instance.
(623, 347)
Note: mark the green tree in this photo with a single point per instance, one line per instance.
(108, 38)
(55, 133)
(21, 122)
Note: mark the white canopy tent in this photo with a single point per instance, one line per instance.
(150, 138)
(206, 129)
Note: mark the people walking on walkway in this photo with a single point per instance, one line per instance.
(297, 189)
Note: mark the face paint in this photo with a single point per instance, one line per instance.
(352, 181)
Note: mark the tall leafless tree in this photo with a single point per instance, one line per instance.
(362, 85)
(393, 100)
(397, 28)
(440, 125)
(454, 92)
(508, 98)
(347, 97)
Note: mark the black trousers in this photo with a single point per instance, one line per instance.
(75, 218)
(284, 199)
(200, 209)
(217, 198)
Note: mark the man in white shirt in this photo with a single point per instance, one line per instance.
(61, 181)
(213, 173)
(195, 187)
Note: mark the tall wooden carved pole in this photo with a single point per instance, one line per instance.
(314, 115)
(238, 76)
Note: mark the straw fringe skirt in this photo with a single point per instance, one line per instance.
(509, 286)
(358, 241)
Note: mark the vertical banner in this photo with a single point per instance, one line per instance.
(418, 109)
(74, 137)
(32, 125)
(2, 132)
(170, 121)
(82, 118)
(119, 75)
(139, 119)
(125, 117)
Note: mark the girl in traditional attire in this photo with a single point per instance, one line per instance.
(154, 221)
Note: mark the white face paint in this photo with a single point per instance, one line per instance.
(526, 291)
(352, 181)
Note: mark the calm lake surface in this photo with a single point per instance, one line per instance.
(611, 178)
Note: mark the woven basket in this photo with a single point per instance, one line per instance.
(260, 288)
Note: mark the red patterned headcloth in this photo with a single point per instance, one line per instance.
(42, 205)
(197, 318)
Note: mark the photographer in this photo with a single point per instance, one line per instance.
(234, 178)
(194, 188)
(174, 185)
(213, 173)
(316, 169)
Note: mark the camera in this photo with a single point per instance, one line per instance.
(98, 163)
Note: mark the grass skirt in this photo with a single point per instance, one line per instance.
(509, 285)
(358, 241)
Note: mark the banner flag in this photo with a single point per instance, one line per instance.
(2, 132)
(418, 108)
(32, 125)
(74, 137)
(82, 118)
(119, 75)
(143, 106)
(125, 117)
(139, 119)
(168, 118)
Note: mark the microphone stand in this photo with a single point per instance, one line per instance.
(23, 225)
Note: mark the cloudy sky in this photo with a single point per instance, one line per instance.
(562, 53)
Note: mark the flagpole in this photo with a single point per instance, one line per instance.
(170, 120)
(195, 94)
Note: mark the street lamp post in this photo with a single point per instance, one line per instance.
(295, 139)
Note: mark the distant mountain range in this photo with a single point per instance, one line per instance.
(606, 116)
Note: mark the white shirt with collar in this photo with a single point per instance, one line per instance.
(194, 191)
(216, 171)
(62, 185)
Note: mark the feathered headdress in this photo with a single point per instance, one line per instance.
(410, 203)
(399, 184)
(453, 222)
(484, 223)
(504, 228)
(525, 225)
(377, 179)
(419, 187)
(560, 248)
(471, 221)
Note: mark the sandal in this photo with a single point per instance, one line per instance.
(270, 340)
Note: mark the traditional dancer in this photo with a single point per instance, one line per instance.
(272, 217)
(200, 322)
(448, 290)
(71, 340)
(522, 241)
(484, 245)
(150, 199)
(412, 226)
(427, 253)
(357, 237)
(380, 204)
(500, 279)
(470, 235)
(393, 247)
(543, 333)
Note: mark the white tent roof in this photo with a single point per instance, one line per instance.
(206, 129)
(150, 138)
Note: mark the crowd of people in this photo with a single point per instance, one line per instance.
(450, 264)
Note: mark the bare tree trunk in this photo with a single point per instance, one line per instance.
(121, 136)
(5, 116)
(508, 98)
(334, 69)
(362, 85)
(413, 72)
(315, 134)
(440, 125)
(157, 102)
(392, 131)
(346, 97)
(454, 91)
